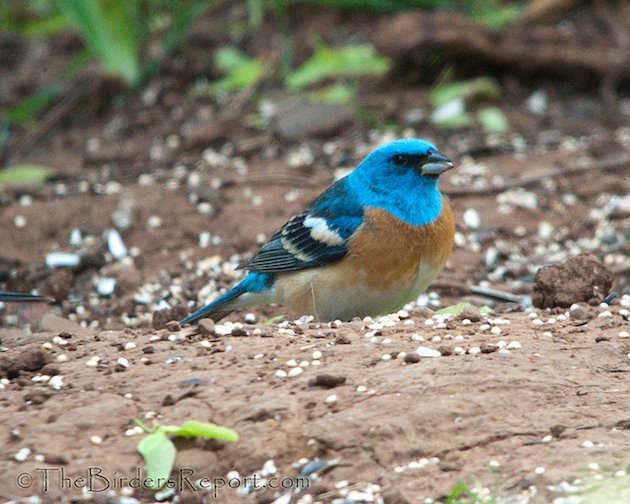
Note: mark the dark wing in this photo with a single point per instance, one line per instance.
(313, 238)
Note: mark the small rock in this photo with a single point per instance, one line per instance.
(427, 352)
(207, 327)
(445, 351)
(488, 348)
(471, 313)
(29, 359)
(342, 339)
(412, 358)
(172, 325)
(327, 381)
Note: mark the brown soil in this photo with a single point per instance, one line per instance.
(524, 424)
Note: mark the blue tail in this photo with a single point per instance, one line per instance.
(228, 302)
(21, 296)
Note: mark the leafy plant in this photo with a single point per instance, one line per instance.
(461, 493)
(344, 62)
(159, 452)
(457, 309)
(25, 174)
(451, 102)
(241, 71)
(109, 30)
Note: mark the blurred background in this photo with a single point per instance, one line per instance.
(146, 147)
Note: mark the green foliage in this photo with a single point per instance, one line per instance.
(462, 494)
(159, 452)
(451, 102)
(110, 32)
(493, 120)
(25, 174)
(327, 62)
(484, 88)
(272, 320)
(241, 71)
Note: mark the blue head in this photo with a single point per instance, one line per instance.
(401, 177)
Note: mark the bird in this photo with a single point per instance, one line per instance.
(369, 244)
(22, 297)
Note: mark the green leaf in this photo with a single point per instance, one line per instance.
(242, 72)
(336, 93)
(110, 32)
(327, 62)
(479, 88)
(158, 452)
(272, 320)
(25, 174)
(454, 310)
(493, 120)
(193, 428)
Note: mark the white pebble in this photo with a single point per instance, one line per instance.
(624, 334)
(56, 382)
(494, 464)
(62, 358)
(427, 352)
(593, 466)
(292, 363)
(317, 354)
(539, 470)
(331, 399)
(471, 218)
(130, 345)
(547, 439)
(474, 350)
(22, 454)
(484, 327)
(281, 373)
(122, 362)
(361, 388)
(537, 322)
(587, 444)
(605, 314)
(495, 330)
(513, 345)
(293, 372)
(19, 221)
(97, 440)
(466, 321)
(386, 357)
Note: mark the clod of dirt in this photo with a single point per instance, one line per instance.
(37, 396)
(488, 348)
(412, 358)
(207, 327)
(327, 381)
(471, 313)
(582, 278)
(162, 317)
(29, 359)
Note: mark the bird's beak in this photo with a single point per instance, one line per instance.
(436, 164)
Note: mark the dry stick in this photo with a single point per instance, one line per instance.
(611, 163)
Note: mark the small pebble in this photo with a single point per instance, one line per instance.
(427, 352)
(539, 470)
(22, 454)
(130, 345)
(587, 444)
(317, 355)
(121, 361)
(293, 372)
(97, 440)
(331, 399)
(474, 350)
(281, 373)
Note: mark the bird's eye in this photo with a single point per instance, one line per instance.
(400, 160)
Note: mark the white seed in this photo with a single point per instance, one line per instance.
(386, 357)
(495, 330)
(62, 358)
(317, 354)
(605, 314)
(361, 388)
(292, 363)
(281, 373)
(97, 440)
(539, 470)
(494, 464)
(331, 399)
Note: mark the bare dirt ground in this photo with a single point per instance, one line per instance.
(523, 405)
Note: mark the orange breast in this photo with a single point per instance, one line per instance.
(391, 250)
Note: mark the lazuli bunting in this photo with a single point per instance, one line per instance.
(6, 297)
(369, 244)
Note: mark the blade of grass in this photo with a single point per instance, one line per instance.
(110, 32)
